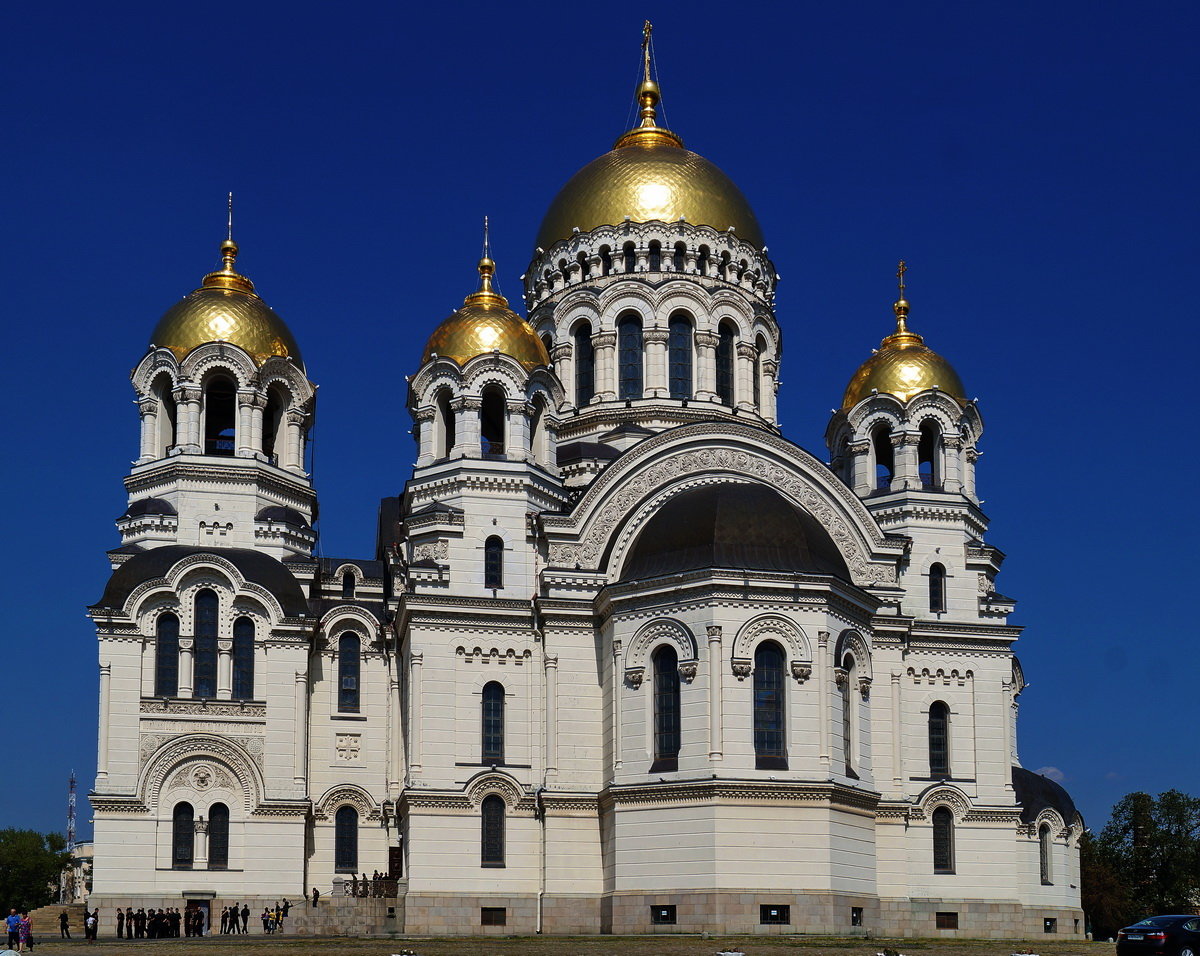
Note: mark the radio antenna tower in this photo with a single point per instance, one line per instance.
(71, 813)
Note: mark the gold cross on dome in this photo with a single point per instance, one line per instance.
(647, 29)
(900, 276)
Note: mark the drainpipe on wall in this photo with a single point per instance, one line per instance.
(540, 812)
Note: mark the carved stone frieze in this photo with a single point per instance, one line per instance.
(203, 708)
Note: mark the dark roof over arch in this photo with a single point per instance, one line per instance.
(256, 567)
(149, 506)
(284, 514)
(1035, 792)
(736, 526)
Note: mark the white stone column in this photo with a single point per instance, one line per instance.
(200, 847)
(148, 412)
(516, 431)
(1008, 715)
(257, 415)
(770, 408)
(824, 676)
(969, 457)
(244, 444)
(105, 703)
(716, 694)
(951, 452)
(563, 357)
(605, 347)
(300, 736)
(860, 464)
(396, 764)
(467, 431)
(293, 457)
(187, 417)
(416, 659)
(744, 375)
(656, 384)
(706, 366)
(224, 670)
(906, 470)
(618, 682)
(185, 667)
(551, 714)
(424, 421)
(897, 736)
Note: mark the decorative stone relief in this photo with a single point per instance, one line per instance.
(741, 669)
(687, 671)
(634, 675)
(349, 748)
(438, 551)
(801, 671)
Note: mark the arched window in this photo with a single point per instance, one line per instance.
(629, 348)
(348, 583)
(760, 349)
(881, 445)
(679, 262)
(585, 365)
(243, 659)
(703, 260)
(943, 841)
(937, 588)
(220, 410)
(548, 342)
(1044, 849)
(493, 562)
(655, 263)
(491, 837)
(939, 739)
(205, 663)
(629, 255)
(273, 422)
(769, 739)
(585, 269)
(492, 420)
(493, 722)
(164, 423)
(929, 455)
(849, 724)
(679, 348)
(183, 836)
(444, 436)
(345, 840)
(349, 651)
(605, 261)
(218, 837)
(725, 363)
(726, 267)
(166, 656)
(537, 432)
(666, 709)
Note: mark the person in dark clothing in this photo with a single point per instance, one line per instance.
(64, 925)
(129, 922)
(120, 924)
(286, 906)
(316, 896)
(245, 917)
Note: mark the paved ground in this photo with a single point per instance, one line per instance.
(560, 946)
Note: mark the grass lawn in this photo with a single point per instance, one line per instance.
(564, 946)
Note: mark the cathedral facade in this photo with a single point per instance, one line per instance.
(625, 658)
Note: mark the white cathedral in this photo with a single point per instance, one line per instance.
(625, 659)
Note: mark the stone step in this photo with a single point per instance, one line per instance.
(45, 919)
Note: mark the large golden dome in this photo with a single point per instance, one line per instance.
(648, 175)
(483, 325)
(903, 367)
(226, 309)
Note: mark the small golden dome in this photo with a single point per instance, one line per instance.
(903, 367)
(486, 324)
(225, 309)
(648, 175)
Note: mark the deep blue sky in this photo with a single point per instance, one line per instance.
(1035, 164)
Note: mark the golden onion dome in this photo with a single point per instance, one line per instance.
(226, 309)
(649, 175)
(903, 366)
(486, 324)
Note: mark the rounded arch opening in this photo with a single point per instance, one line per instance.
(163, 390)
(930, 455)
(493, 421)
(273, 423)
(726, 341)
(585, 364)
(883, 455)
(629, 355)
(220, 414)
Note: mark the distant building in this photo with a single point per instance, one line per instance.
(625, 658)
(75, 884)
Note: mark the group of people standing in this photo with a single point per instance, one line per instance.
(20, 931)
(272, 919)
(158, 923)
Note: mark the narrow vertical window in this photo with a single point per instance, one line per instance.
(585, 269)
(585, 365)
(493, 562)
(349, 650)
(666, 710)
(243, 659)
(629, 255)
(881, 445)
(725, 363)
(929, 456)
(493, 722)
(769, 743)
(166, 656)
(345, 840)
(943, 841)
(937, 588)
(491, 841)
(1044, 848)
(205, 663)
(939, 739)
(444, 437)
(679, 347)
(679, 262)
(629, 348)
(218, 837)
(848, 742)
(273, 425)
(605, 261)
(183, 836)
(493, 417)
(703, 260)
(655, 256)
(760, 349)
(165, 421)
(348, 583)
(220, 409)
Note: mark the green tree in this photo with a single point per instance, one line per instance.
(30, 866)
(1155, 846)
(1105, 895)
